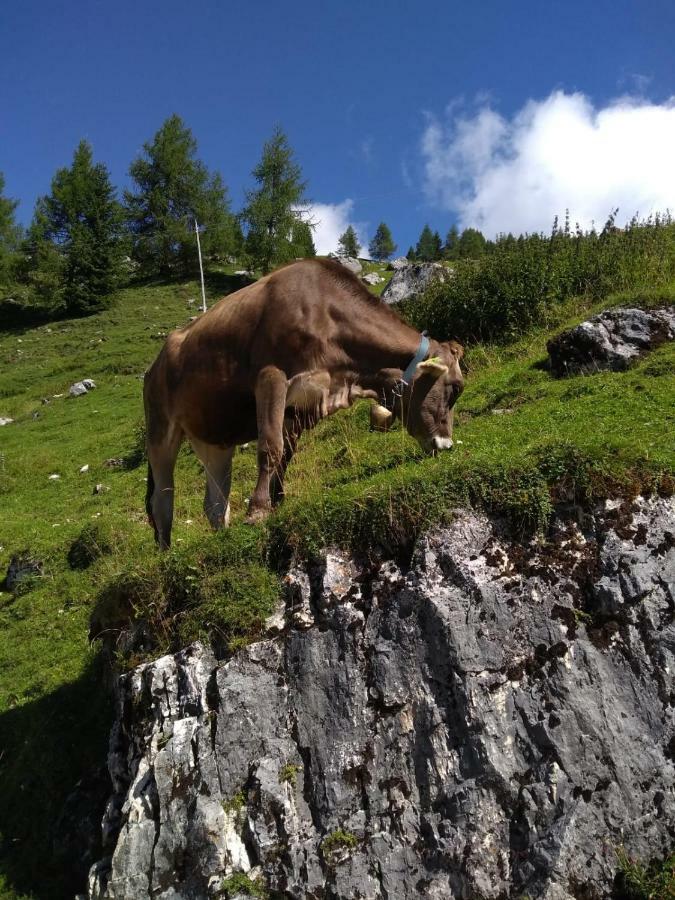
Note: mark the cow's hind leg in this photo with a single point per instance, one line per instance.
(161, 465)
(294, 425)
(217, 462)
(270, 398)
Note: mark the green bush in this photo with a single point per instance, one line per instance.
(522, 281)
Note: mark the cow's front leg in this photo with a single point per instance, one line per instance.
(270, 398)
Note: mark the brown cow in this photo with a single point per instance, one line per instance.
(271, 360)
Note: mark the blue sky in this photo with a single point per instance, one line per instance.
(415, 112)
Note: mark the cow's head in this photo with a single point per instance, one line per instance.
(425, 406)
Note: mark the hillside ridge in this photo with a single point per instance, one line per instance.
(525, 442)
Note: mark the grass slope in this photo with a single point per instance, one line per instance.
(523, 440)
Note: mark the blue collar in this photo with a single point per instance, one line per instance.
(421, 354)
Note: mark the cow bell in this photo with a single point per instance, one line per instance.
(380, 418)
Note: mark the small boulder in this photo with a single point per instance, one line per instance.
(21, 566)
(81, 387)
(399, 263)
(349, 262)
(84, 468)
(5, 420)
(610, 340)
(413, 279)
(54, 477)
(372, 278)
(100, 489)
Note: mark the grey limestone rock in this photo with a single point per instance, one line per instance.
(412, 279)
(372, 278)
(399, 263)
(351, 263)
(81, 387)
(610, 340)
(21, 567)
(491, 720)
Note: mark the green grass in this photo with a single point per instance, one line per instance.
(576, 439)
(379, 268)
(238, 883)
(337, 842)
(289, 774)
(655, 881)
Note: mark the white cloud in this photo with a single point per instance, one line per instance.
(561, 153)
(331, 220)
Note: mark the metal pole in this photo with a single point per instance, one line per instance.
(201, 268)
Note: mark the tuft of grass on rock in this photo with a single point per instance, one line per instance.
(288, 774)
(238, 883)
(236, 803)
(337, 845)
(636, 881)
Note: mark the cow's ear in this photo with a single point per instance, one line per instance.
(380, 418)
(433, 367)
(455, 348)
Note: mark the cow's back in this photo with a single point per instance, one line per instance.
(294, 319)
(208, 369)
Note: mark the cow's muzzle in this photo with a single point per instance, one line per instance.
(441, 443)
(435, 444)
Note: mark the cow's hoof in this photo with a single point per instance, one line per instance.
(257, 515)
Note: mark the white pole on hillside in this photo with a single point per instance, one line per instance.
(201, 267)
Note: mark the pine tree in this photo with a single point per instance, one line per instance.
(451, 246)
(382, 245)
(237, 251)
(43, 265)
(219, 233)
(427, 246)
(76, 239)
(302, 240)
(471, 244)
(273, 209)
(172, 188)
(10, 236)
(348, 244)
(411, 256)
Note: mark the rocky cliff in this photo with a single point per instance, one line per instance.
(491, 719)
